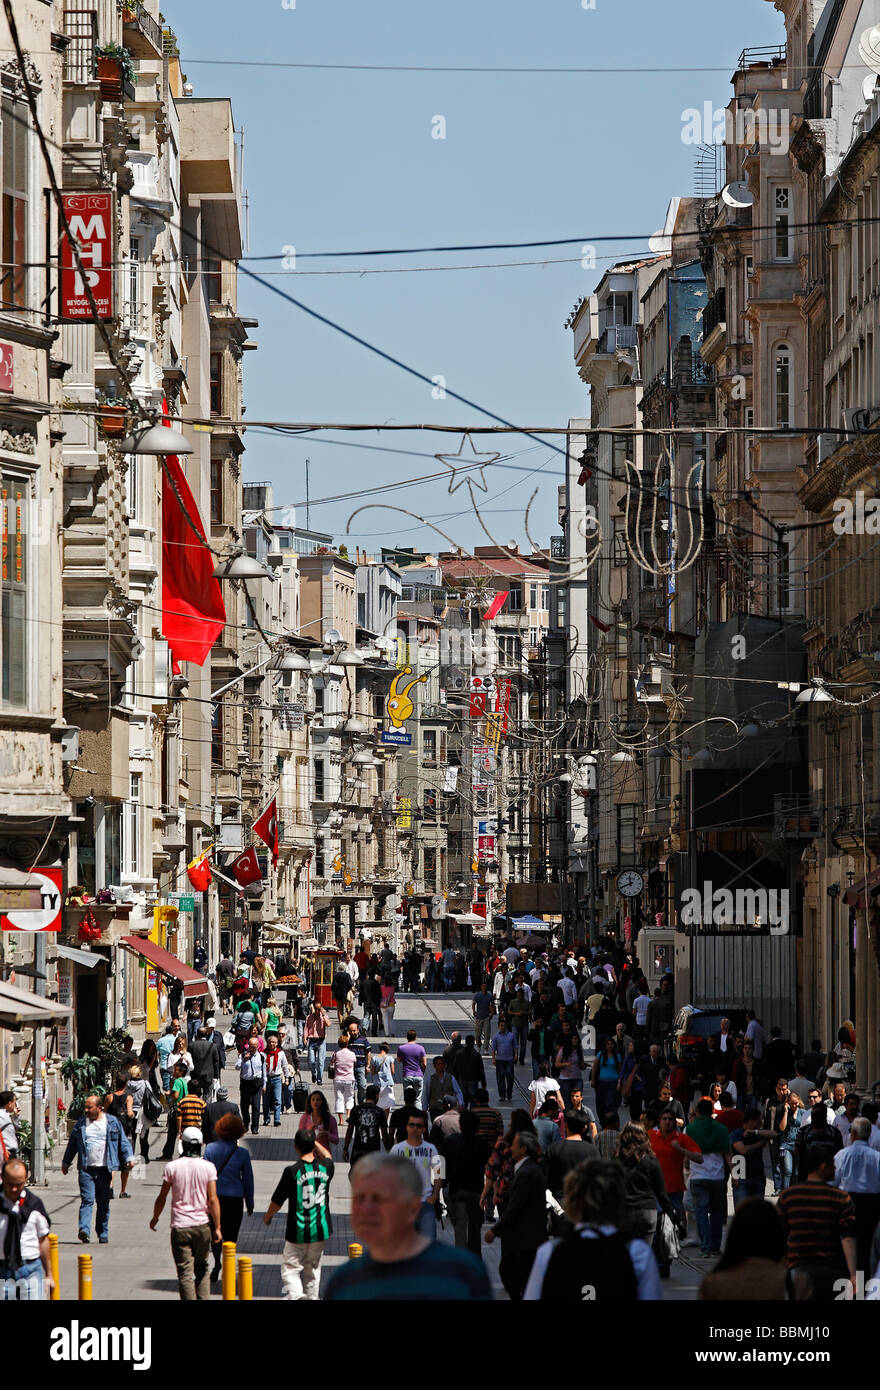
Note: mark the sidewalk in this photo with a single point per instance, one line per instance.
(137, 1263)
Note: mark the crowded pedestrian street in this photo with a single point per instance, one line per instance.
(137, 1264)
(439, 673)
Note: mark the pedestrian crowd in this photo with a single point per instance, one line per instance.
(578, 1199)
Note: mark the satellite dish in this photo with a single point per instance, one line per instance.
(737, 195)
(868, 88)
(869, 48)
(332, 636)
(660, 243)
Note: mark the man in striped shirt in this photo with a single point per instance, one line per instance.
(820, 1224)
(191, 1108)
(305, 1186)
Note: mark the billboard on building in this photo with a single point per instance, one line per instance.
(90, 219)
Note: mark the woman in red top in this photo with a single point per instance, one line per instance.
(317, 1118)
(499, 1169)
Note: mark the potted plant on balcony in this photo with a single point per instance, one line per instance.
(114, 68)
(111, 415)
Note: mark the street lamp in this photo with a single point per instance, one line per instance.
(815, 694)
(155, 439)
(238, 565)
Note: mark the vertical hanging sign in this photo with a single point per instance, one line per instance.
(90, 218)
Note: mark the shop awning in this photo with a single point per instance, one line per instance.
(468, 919)
(193, 983)
(81, 957)
(21, 1009)
(857, 896)
(527, 922)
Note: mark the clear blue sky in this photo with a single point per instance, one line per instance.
(345, 161)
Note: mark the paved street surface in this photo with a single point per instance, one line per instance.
(137, 1263)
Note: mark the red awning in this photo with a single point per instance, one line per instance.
(857, 896)
(193, 983)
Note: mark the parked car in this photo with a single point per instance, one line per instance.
(692, 1029)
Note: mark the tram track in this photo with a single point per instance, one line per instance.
(469, 1018)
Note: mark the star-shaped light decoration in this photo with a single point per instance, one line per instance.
(457, 462)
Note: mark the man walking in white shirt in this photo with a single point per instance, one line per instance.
(426, 1160)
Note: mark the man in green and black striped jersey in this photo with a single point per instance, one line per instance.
(305, 1186)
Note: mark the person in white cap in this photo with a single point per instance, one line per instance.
(195, 1215)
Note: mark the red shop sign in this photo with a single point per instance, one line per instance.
(90, 218)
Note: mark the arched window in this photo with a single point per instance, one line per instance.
(782, 384)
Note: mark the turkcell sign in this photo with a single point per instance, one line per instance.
(398, 736)
(90, 219)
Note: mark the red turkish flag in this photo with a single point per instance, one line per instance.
(193, 613)
(246, 868)
(496, 605)
(199, 874)
(267, 828)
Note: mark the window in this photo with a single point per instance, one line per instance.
(216, 383)
(132, 286)
(217, 735)
(782, 589)
(782, 248)
(782, 384)
(429, 806)
(545, 597)
(619, 447)
(560, 607)
(429, 745)
(750, 270)
(14, 239)
(213, 281)
(515, 598)
(509, 649)
(533, 596)
(319, 699)
(430, 866)
(621, 553)
(131, 856)
(132, 487)
(216, 488)
(15, 578)
(318, 766)
(626, 836)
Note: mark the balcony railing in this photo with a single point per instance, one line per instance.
(771, 57)
(80, 59)
(715, 312)
(619, 337)
(143, 36)
(797, 817)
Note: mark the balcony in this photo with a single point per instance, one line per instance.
(770, 57)
(209, 170)
(80, 60)
(619, 337)
(797, 817)
(142, 35)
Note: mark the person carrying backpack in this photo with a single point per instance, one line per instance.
(595, 1261)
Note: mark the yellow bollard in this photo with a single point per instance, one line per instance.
(55, 1295)
(245, 1279)
(228, 1275)
(85, 1277)
(355, 1251)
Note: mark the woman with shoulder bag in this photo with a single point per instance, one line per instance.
(120, 1103)
(605, 1077)
(568, 1063)
(235, 1180)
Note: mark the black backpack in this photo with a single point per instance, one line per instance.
(586, 1268)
